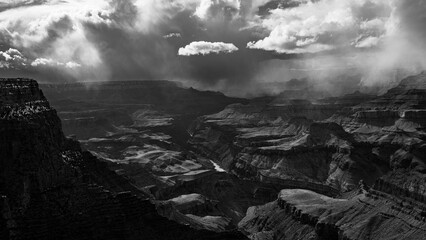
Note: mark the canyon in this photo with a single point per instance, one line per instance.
(154, 158)
(51, 189)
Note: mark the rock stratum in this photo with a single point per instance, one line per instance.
(303, 214)
(334, 142)
(140, 130)
(51, 189)
(299, 165)
(327, 147)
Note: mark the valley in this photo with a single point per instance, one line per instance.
(351, 167)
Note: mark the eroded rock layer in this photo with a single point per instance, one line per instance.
(303, 214)
(139, 129)
(322, 153)
(334, 142)
(51, 189)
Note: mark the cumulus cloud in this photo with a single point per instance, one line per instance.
(11, 54)
(204, 48)
(317, 26)
(378, 41)
(120, 39)
(55, 31)
(52, 63)
(12, 58)
(79, 40)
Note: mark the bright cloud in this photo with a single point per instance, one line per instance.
(55, 31)
(50, 62)
(11, 58)
(205, 48)
(324, 25)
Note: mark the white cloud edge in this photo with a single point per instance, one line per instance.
(50, 62)
(206, 48)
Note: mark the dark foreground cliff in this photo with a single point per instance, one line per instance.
(51, 189)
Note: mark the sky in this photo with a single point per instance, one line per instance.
(240, 47)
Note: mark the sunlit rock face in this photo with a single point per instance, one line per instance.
(305, 214)
(196, 210)
(51, 189)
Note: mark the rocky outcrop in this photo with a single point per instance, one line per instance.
(293, 141)
(19, 91)
(304, 214)
(417, 116)
(295, 150)
(195, 210)
(150, 149)
(32, 140)
(393, 118)
(50, 189)
(325, 147)
(349, 100)
(380, 142)
(412, 82)
(100, 109)
(408, 185)
(408, 94)
(377, 117)
(195, 204)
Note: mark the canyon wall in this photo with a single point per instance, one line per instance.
(51, 189)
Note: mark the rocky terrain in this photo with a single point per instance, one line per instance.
(100, 108)
(140, 130)
(291, 166)
(51, 189)
(326, 147)
(303, 214)
(290, 142)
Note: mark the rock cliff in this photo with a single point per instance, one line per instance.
(323, 154)
(302, 214)
(51, 189)
(334, 141)
(380, 142)
(296, 149)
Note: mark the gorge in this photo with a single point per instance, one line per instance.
(121, 160)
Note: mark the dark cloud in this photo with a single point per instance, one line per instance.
(126, 40)
(125, 12)
(413, 18)
(371, 10)
(265, 9)
(130, 55)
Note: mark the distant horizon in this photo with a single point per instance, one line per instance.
(187, 85)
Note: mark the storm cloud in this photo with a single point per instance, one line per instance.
(229, 45)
